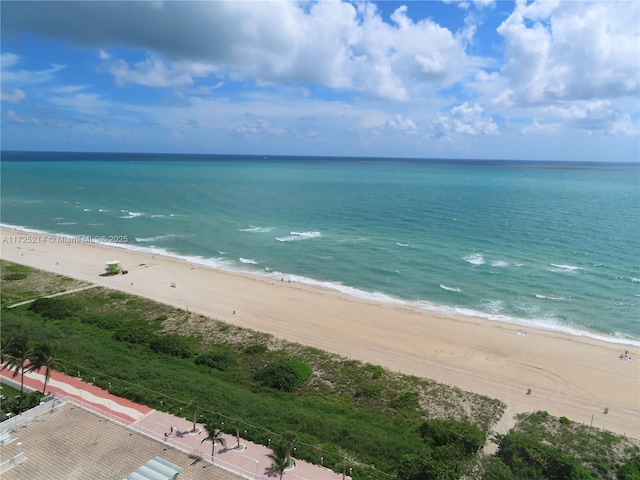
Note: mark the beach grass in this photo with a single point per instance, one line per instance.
(20, 283)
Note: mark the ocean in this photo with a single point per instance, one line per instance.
(546, 244)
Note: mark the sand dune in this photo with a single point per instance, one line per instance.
(574, 376)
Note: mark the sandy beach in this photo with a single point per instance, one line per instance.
(573, 376)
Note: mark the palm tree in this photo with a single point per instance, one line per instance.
(16, 357)
(6, 342)
(281, 458)
(215, 436)
(45, 356)
(193, 408)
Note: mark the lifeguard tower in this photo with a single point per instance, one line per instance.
(112, 267)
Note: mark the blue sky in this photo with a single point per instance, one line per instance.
(551, 80)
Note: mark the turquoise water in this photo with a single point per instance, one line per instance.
(551, 244)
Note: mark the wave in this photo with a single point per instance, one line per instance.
(86, 209)
(157, 238)
(296, 236)
(500, 263)
(66, 223)
(548, 296)
(474, 259)
(634, 279)
(253, 229)
(248, 261)
(402, 244)
(451, 289)
(564, 268)
(131, 214)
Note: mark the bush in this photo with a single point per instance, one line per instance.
(406, 401)
(465, 436)
(220, 360)
(173, 345)
(286, 374)
(630, 470)
(133, 334)
(55, 308)
(14, 276)
(256, 349)
(530, 459)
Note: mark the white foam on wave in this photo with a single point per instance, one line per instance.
(402, 244)
(103, 210)
(296, 236)
(500, 263)
(634, 279)
(131, 214)
(66, 223)
(157, 238)
(474, 259)
(564, 268)
(548, 296)
(254, 229)
(451, 289)
(248, 261)
(86, 209)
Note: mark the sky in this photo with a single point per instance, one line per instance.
(482, 79)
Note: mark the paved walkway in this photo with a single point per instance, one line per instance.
(250, 460)
(67, 292)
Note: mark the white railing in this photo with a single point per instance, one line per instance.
(12, 423)
(12, 462)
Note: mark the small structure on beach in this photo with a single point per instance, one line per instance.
(112, 267)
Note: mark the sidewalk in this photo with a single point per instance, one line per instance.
(250, 460)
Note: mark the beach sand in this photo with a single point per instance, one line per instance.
(573, 376)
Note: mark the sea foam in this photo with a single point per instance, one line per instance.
(296, 236)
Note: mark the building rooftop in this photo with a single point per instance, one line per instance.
(73, 443)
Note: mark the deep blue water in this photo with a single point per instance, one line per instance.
(555, 244)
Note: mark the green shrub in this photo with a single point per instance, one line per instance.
(14, 276)
(256, 349)
(55, 308)
(220, 360)
(103, 323)
(133, 334)
(285, 374)
(406, 401)
(466, 437)
(564, 420)
(173, 345)
(530, 459)
(630, 470)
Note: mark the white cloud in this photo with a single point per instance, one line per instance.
(465, 119)
(537, 128)
(15, 95)
(8, 60)
(402, 125)
(11, 75)
(571, 50)
(335, 44)
(625, 126)
(152, 72)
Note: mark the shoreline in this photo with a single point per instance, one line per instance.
(576, 376)
(380, 297)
